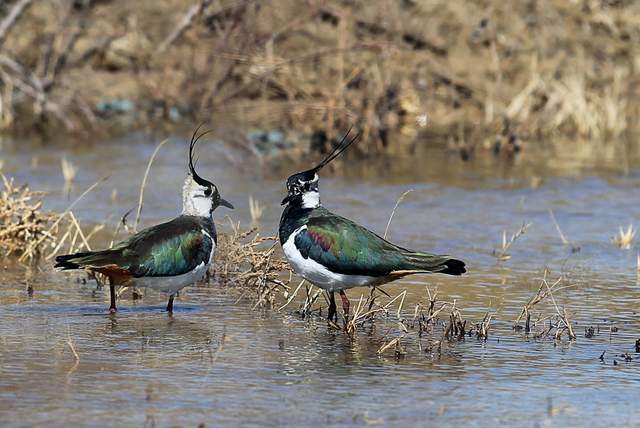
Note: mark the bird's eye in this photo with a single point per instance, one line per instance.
(208, 192)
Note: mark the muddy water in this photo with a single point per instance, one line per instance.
(218, 362)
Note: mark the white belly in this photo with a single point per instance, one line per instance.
(319, 275)
(172, 284)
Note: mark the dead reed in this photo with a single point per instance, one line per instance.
(624, 239)
(247, 260)
(433, 326)
(544, 326)
(563, 238)
(501, 253)
(22, 220)
(34, 246)
(28, 232)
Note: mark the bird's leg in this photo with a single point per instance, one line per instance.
(170, 304)
(332, 307)
(345, 305)
(112, 293)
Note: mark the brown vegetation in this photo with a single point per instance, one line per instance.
(22, 220)
(546, 326)
(477, 73)
(244, 260)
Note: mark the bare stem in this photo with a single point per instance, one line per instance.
(144, 183)
(400, 199)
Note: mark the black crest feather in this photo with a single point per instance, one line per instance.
(344, 144)
(194, 139)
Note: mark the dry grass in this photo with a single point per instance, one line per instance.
(33, 246)
(22, 220)
(29, 232)
(248, 260)
(400, 199)
(544, 326)
(144, 183)
(501, 253)
(433, 326)
(562, 68)
(624, 239)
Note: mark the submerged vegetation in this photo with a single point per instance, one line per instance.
(497, 75)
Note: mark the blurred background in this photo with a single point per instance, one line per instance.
(466, 75)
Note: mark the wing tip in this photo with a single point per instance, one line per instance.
(454, 267)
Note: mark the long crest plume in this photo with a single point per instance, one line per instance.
(344, 144)
(194, 139)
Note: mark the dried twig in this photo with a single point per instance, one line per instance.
(400, 199)
(564, 317)
(395, 342)
(30, 249)
(624, 239)
(292, 296)
(562, 237)
(144, 183)
(545, 290)
(22, 221)
(482, 328)
(501, 253)
(456, 328)
(251, 264)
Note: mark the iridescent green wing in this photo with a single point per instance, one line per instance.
(348, 248)
(345, 247)
(168, 249)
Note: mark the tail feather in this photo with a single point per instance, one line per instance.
(83, 260)
(454, 267)
(433, 263)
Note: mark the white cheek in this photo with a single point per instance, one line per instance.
(310, 199)
(202, 205)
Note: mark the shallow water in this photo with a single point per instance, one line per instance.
(220, 362)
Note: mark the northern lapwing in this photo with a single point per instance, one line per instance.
(166, 257)
(334, 253)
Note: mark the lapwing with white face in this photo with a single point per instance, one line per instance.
(166, 257)
(336, 254)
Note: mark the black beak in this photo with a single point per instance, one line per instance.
(224, 203)
(285, 200)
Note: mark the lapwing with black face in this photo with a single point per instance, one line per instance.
(166, 257)
(336, 254)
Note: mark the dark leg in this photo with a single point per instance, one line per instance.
(170, 304)
(332, 307)
(345, 304)
(112, 292)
